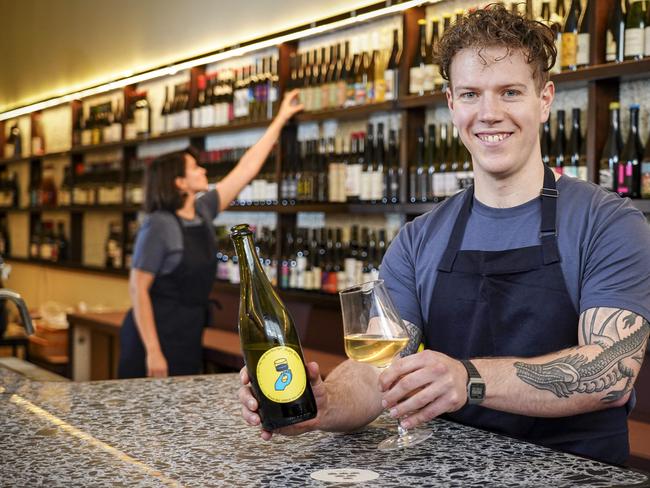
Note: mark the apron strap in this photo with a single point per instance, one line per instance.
(548, 227)
(456, 238)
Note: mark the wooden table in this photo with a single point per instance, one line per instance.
(94, 347)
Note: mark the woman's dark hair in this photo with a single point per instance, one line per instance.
(495, 26)
(160, 190)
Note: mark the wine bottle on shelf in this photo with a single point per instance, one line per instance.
(557, 18)
(575, 141)
(615, 34)
(629, 164)
(197, 109)
(116, 122)
(38, 139)
(420, 168)
(113, 246)
(342, 74)
(321, 187)
(416, 69)
(368, 157)
(584, 36)
(439, 177)
(393, 169)
(430, 158)
(391, 74)
(353, 171)
(378, 190)
(559, 149)
(570, 37)
(62, 244)
(645, 171)
(635, 30)
(429, 68)
(142, 115)
(608, 165)
(270, 343)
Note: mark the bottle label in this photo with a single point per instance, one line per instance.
(415, 80)
(645, 179)
(428, 77)
(571, 171)
(647, 40)
(610, 47)
(583, 49)
(391, 89)
(634, 42)
(141, 117)
(569, 49)
(281, 375)
(606, 179)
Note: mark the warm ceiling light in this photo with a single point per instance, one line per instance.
(212, 58)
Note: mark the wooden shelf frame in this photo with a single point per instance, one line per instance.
(602, 81)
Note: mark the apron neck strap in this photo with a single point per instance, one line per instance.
(548, 231)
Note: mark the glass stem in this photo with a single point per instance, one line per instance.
(401, 431)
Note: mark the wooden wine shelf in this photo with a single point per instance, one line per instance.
(70, 266)
(314, 297)
(337, 208)
(330, 208)
(349, 113)
(77, 208)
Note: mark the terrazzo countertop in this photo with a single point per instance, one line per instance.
(187, 431)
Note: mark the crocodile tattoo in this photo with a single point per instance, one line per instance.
(575, 374)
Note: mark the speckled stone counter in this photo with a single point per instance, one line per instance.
(187, 432)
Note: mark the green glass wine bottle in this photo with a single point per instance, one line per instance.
(270, 343)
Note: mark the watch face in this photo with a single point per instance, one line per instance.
(477, 391)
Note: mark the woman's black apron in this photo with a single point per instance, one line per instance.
(515, 303)
(180, 308)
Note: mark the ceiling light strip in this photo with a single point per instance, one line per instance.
(212, 58)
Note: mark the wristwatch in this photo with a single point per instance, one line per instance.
(475, 384)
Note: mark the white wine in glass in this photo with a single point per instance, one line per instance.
(374, 333)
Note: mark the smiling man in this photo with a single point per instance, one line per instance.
(529, 290)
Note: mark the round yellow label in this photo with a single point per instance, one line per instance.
(281, 374)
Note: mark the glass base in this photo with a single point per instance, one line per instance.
(409, 439)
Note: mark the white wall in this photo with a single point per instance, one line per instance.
(49, 46)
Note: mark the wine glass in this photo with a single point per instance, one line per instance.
(375, 334)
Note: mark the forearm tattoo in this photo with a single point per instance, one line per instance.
(621, 334)
(415, 337)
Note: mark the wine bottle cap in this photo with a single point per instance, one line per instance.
(422, 22)
(635, 106)
(614, 105)
(240, 230)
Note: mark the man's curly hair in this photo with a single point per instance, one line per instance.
(495, 26)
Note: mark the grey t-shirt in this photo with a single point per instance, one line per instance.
(159, 242)
(604, 245)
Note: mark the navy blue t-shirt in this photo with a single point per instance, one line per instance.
(604, 245)
(159, 242)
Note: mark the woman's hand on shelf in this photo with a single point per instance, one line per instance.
(290, 106)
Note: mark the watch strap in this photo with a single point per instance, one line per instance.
(472, 372)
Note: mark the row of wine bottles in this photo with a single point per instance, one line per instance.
(13, 147)
(625, 167)
(566, 156)
(362, 168)
(312, 259)
(628, 31)
(49, 244)
(334, 78)
(442, 166)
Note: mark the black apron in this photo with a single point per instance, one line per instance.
(515, 303)
(180, 307)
